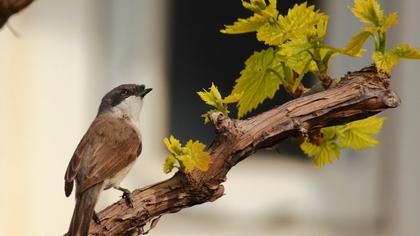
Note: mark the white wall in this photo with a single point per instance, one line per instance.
(52, 78)
(406, 134)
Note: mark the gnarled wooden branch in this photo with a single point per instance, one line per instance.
(358, 95)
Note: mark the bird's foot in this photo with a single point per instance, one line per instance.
(126, 196)
(95, 218)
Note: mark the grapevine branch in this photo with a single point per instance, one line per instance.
(358, 95)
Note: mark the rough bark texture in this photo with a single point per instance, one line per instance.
(358, 95)
(10, 7)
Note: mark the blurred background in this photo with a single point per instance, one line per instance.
(70, 53)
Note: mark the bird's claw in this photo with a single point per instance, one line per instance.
(95, 218)
(128, 200)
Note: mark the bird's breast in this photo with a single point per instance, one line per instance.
(115, 180)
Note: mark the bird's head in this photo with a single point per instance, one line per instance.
(126, 99)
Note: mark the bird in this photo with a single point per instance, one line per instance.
(105, 154)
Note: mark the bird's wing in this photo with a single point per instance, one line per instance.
(108, 146)
(75, 162)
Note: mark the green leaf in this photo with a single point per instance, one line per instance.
(390, 20)
(271, 33)
(258, 81)
(241, 26)
(322, 154)
(321, 27)
(356, 135)
(173, 145)
(254, 5)
(368, 11)
(169, 164)
(262, 15)
(385, 61)
(404, 51)
(192, 156)
(233, 98)
(195, 157)
(296, 54)
(301, 20)
(354, 47)
(214, 99)
(304, 70)
(296, 46)
(359, 134)
(211, 97)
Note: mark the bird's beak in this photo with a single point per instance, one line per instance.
(145, 91)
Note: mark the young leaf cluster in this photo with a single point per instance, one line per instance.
(325, 147)
(186, 158)
(215, 100)
(296, 48)
(370, 13)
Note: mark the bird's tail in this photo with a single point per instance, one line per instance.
(83, 211)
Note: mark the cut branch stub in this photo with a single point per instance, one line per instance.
(358, 95)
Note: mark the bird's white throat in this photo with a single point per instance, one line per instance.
(130, 108)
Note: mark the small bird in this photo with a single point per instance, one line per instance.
(105, 154)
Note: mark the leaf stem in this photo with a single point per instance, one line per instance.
(382, 41)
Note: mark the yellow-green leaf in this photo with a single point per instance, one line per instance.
(296, 46)
(301, 20)
(169, 164)
(214, 99)
(271, 34)
(300, 63)
(359, 134)
(233, 98)
(404, 51)
(390, 20)
(254, 5)
(368, 11)
(173, 145)
(385, 61)
(296, 54)
(321, 27)
(208, 98)
(258, 81)
(324, 154)
(247, 25)
(191, 156)
(215, 92)
(354, 47)
(195, 157)
(263, 14)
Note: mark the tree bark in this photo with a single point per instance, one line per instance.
(358, 95)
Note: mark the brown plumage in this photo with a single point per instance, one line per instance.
(104, 155)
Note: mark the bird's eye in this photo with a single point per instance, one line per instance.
(124, 92)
